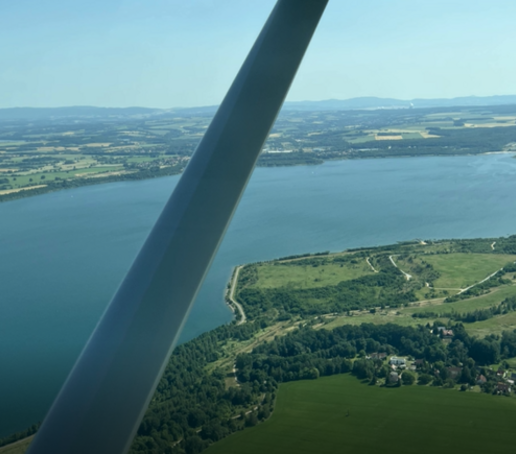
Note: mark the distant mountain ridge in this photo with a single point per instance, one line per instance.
(372, 102)
(368, 102)
(41, 113)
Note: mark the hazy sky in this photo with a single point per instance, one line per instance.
(168, 53)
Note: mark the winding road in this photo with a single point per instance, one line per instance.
(231, 296)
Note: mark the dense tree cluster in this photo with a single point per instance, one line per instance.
(308, 354)
(192, 407)
(19, 435)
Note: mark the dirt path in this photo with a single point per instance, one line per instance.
(407, 276)
(232, 299)
(482, 281)
(369, 263)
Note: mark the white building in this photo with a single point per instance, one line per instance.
(394, 361)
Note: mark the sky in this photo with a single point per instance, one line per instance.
(183, 53)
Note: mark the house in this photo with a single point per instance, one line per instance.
(394, 361)
(500, 373)
(503, 387)
(454, 372)
(381, 356)
(393, 377)
(445, 332)
(481, 380)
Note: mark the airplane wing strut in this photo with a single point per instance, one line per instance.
(101, 404)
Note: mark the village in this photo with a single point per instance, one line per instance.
(407, 370)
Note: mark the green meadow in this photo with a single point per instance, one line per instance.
(490, 299)
(495, 325)
(287, 274)
(462, 270)
(340, 414)
(403, 316)
(18, 447)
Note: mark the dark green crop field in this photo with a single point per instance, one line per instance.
(340, 414)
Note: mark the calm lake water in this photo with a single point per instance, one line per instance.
(64, 254)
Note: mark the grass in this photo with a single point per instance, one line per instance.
(232, 348)
(376, 319)
(307, 276)
(311, 417)
(361, 139)
(411, 135)
(18, 447)
(493, 325)
(481, 302)
(462, 270)
(403, 316)
(512, 362)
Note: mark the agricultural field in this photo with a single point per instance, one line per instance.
(340, 414)
(78, 147)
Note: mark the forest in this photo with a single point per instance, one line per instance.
(301, 325)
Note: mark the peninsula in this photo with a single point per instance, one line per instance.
(320, 338)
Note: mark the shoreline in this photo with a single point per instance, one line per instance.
(25, 192)
(230, 292)
(230, 300)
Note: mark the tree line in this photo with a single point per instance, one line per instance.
(309, 354)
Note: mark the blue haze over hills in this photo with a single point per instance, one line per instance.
(20, 113)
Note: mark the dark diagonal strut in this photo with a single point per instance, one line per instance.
(103, 400)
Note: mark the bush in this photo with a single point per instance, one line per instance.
(408, 378)
(424, 379)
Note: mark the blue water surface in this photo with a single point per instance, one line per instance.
(62, 255)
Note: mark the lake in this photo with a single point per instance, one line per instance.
(64, 254)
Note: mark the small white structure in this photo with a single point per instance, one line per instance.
(394, 361)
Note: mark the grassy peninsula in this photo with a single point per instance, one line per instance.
(350, 351)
